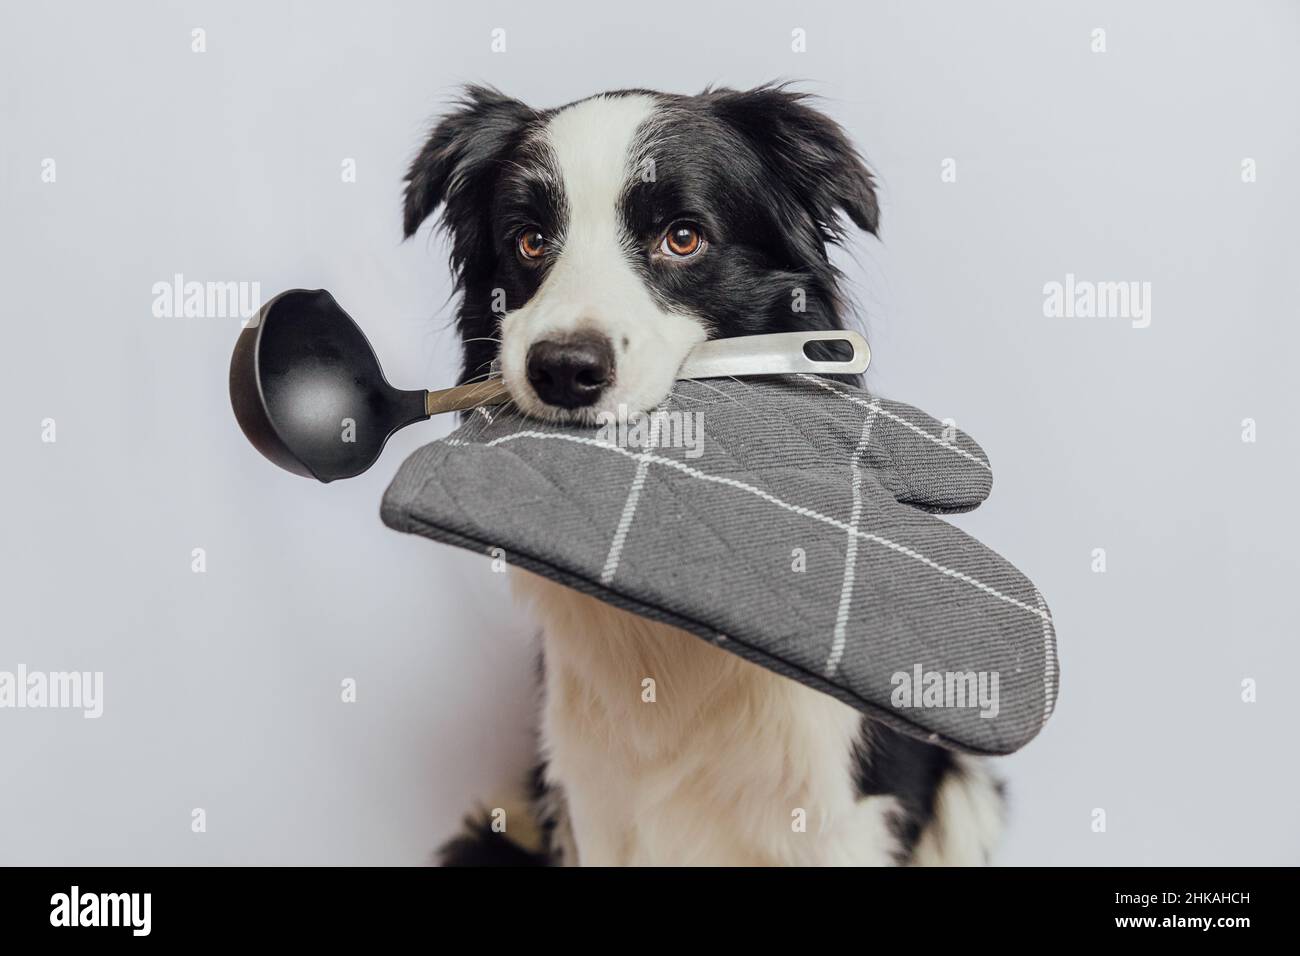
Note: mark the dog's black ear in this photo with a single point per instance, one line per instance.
(807, 151)
(458, 165)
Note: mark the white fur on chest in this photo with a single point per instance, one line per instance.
(729, 764)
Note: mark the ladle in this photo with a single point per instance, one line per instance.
(309, 393)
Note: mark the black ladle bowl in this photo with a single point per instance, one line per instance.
(308, 390)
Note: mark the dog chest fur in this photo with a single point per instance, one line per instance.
(729, 764)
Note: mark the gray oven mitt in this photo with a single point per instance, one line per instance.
(788, 520)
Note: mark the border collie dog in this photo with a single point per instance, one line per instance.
(594, 246)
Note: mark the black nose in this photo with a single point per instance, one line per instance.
(572, 371)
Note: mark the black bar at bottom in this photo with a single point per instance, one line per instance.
(208, 905)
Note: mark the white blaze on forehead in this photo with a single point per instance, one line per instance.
(594, 283)
(592, 143)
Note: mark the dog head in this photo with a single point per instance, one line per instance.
(596, 244)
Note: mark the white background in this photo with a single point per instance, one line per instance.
(222, 689)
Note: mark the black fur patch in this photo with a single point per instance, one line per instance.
(479, 845)
(767, 177)
(887, 763)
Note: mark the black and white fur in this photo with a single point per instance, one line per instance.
(717, 770)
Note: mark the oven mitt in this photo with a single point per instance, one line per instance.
(790, 520)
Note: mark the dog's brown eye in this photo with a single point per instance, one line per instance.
(682, 240)
(532, 244)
